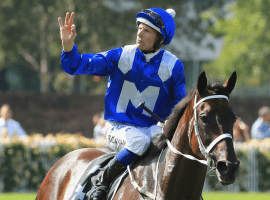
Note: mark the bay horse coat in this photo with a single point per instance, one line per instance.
(161, 171)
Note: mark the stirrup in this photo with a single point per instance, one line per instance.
(91, 192)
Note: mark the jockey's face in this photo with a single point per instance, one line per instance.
(146, 37)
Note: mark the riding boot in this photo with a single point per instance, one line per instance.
(112, 169)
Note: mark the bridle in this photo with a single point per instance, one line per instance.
(205, 151)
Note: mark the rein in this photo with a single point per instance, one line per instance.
(205, 151)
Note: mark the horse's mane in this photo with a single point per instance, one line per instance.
(174, 118)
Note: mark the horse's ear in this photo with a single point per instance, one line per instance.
(202, 82)
(230, 83)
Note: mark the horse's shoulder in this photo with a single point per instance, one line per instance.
(142, 172)
(147, 162)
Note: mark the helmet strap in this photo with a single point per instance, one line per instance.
(156, 46)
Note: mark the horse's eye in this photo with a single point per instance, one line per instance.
(203, 117)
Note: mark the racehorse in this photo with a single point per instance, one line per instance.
(197, 134)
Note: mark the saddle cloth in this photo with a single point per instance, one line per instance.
(91, 175)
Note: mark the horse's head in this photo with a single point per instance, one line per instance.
(212, 132)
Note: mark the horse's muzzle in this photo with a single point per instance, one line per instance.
(226, 171)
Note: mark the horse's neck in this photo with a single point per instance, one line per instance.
(181, 177)
(177, 177)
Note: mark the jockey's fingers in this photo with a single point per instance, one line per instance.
(67, 18)
(73, 28)
(71, 18)
(60, 22)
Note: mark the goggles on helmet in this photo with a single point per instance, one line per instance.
(156, 18)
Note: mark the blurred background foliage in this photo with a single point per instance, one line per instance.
(25, 162)
(246, 31)
(30, 41)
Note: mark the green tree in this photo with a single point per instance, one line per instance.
(30, 33)
(245, 28)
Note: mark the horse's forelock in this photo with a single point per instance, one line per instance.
(217, 88)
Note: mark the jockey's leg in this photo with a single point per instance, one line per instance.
(130, 142)
(135, 139)
(112, 169)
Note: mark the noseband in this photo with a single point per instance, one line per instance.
(205, 151)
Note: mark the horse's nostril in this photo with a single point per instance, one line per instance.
(227, 168)
(222, 167)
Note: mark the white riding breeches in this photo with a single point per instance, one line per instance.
(136, 139)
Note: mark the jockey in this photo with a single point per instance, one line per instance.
(139, 73)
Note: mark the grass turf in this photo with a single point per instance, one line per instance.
(17, 196)
(235, 196)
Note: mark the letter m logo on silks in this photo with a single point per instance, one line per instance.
(130, 93)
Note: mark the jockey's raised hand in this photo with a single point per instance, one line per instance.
(67, 32)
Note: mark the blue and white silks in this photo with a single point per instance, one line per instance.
(159, 83)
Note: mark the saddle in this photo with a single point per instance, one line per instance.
(91, 175)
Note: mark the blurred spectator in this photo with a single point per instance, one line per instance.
(240, 131)
(95, 119)
(8, 126)
(261, 127)
(99, 129)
